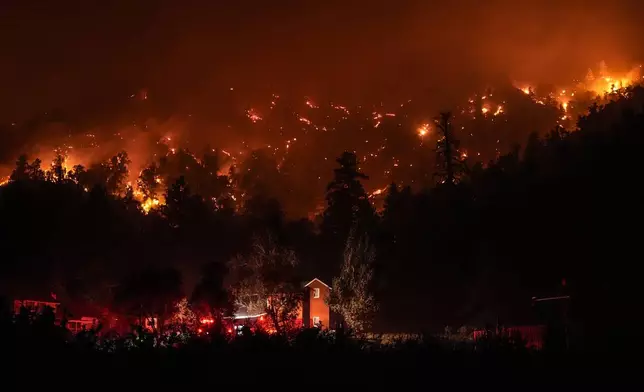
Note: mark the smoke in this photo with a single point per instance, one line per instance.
(73, 70)
(189, 54)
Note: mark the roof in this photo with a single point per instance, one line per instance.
(242, 313)
(318, 280)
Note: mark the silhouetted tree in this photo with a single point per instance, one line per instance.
(448, 160)
(149, 182)
(264, 213)
(396, 235)
(183, 208)
(347, 202)
(78, 174)
(210, 298)
(150, 294)
(397, 202)
(265, 281)
(117, 172)
(351, 293)
(36, 171)
(129, 199)
(22, 171)
(57, 171)
(258, 176)
(201, 173)
(215, 187)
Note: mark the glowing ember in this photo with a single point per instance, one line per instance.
(342, 108)
(253, 115)
(423, 130)
(377, 192)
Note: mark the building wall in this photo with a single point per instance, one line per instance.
(318, 306)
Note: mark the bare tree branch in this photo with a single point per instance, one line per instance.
(351, 295)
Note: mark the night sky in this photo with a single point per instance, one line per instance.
(77, 55)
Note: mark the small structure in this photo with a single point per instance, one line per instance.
(315, 309)
(60, 311)
(84, 324)
(36, 306)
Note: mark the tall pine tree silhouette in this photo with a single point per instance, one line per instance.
(448, 162)
(347, 202)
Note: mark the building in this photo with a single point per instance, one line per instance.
(315, 309)
(35, 306)
(81, 325)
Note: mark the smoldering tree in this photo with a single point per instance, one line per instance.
(264, 281)
(351, 294)
(57, 171)
(117, 169)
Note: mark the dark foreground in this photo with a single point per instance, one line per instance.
(307, 361)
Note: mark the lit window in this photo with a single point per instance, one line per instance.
(316, 321)
(316, 292)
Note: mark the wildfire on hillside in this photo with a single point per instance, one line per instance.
(605, 83)
(373, 131)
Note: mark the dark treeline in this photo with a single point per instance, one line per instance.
(558, 215)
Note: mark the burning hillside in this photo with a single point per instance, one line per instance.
(285, 148)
